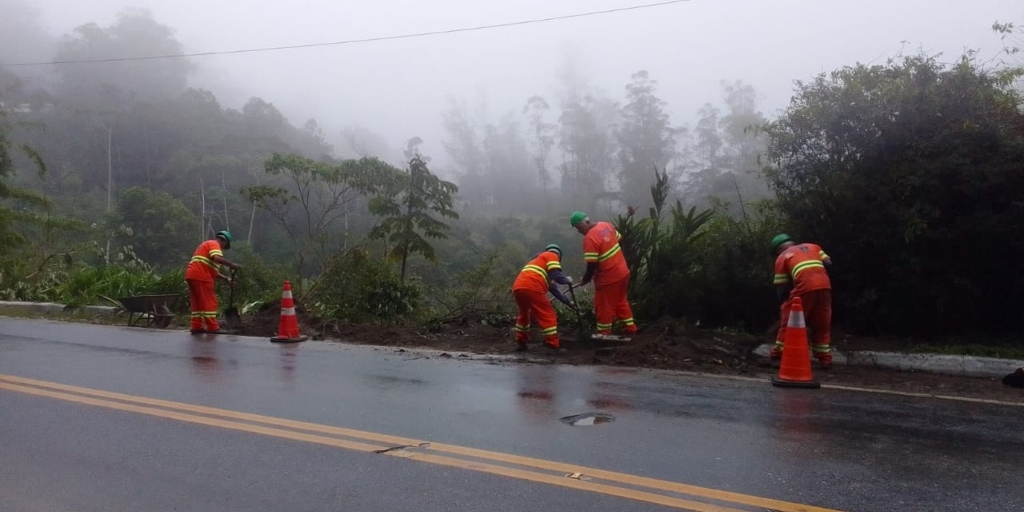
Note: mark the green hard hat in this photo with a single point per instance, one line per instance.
(577, 217)
(225, 235)
(554, 248)
(779, 240)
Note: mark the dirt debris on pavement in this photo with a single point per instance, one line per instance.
(665, 345)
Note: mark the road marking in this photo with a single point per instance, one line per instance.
(555, 471)
(340, 443)
(988, 401)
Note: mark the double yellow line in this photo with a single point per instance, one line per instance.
(650, 490)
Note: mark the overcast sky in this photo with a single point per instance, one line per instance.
(399, 88)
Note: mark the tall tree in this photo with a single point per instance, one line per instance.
(646, 139)
(728, 148)
(464, 146)
(407, 207)
(543, 140)
(585, 136)
(314, 202)
(709, 137)
(588, 149)
(512, 187)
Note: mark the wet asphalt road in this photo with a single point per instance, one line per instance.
(834, 449)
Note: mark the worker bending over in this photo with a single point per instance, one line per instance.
(201, 275)
(531, 289)
(800, 271)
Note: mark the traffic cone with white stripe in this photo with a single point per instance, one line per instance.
(795, 368)
(288, 328)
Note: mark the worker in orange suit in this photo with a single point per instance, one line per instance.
(606, 266)
(801, 271)
(201, 274)
(530, 291)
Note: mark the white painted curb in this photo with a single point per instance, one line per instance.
(968, 366)
(50, 307)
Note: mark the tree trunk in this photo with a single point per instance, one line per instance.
(405, 257)
(110, 185)
(202, 210)
(224, 186)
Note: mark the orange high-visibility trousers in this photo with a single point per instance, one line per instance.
(817, 306)
(533, 304)
(203, 303)
(611, 305)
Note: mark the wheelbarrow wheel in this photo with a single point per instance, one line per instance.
(163, 317)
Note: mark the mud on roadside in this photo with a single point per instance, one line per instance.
(663, 346)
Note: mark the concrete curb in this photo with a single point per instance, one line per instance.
(51, 307)
(942, 364)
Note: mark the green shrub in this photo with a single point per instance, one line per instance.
(358, 288)
(258, 283)
(482, 293)
(705, 267)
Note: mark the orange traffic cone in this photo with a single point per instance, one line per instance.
(288, 328)
(795, 368)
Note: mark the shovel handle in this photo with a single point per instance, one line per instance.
(231, 294)
(579, 317)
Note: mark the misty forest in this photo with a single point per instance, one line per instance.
(909, 172)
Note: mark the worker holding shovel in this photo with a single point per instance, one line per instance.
(606, 266)
(530, 291)
(201, 274)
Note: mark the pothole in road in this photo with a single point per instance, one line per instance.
(588, 419)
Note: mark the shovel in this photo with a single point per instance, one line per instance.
(581, 334)
(231, 317)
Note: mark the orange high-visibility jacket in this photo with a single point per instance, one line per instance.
(801, 266)
(202, 267)
(534, 275)
(601, 246)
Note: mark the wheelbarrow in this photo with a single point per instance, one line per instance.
(149, 310)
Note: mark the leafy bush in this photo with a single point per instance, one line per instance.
(481, 293)
(356, 287)
(734, 267)
(705, 266)
(662, 254)
(909, 175)
(89, 285)
(258, 283)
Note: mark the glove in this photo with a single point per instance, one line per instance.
(569, 279)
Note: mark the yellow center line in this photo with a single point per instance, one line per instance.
(493, 469)
(19, 384)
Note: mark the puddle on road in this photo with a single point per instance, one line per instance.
(588, 419)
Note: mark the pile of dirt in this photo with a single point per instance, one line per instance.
(663, 346)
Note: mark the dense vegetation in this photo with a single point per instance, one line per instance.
(910, 174)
